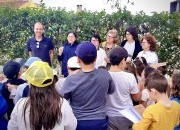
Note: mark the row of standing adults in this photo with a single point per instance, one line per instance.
(42, 47)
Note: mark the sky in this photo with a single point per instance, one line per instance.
(147, 6)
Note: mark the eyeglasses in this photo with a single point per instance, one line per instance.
(128, 34)
(144, 42)
(37, 46)
(109, 36)
(94, 40)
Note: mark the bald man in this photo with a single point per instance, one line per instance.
(39, 45)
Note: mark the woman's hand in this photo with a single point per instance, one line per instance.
(61, 50)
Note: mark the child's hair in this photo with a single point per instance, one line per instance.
(148, 70)
(175, 91)
(130, 67)
(55, 79)
(74, 69)
(117, 55)
(102, 67)
(163, 69)
(97, 37)
(157, 81)
(140, 63)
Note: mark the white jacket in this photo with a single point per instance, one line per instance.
(101, 55)
(150, 56)
(16, 122)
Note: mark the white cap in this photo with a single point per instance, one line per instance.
(72, 62)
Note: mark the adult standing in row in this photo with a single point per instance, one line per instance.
(112, 40)
(101, 54)
(149, 45)
(67, 51)
(131, 44)
(40, 46)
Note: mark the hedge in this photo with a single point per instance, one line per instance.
(16, 26)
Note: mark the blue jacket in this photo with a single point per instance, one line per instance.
(68, 52)
(42, 49)
(3, 110)
(177, 100)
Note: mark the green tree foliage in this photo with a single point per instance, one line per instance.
(16, 26)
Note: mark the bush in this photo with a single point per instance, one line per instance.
(16, 26)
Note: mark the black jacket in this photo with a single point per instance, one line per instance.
(137, 49)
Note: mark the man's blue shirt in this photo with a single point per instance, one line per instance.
(41, 48)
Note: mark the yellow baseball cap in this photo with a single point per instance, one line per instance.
(38, 73)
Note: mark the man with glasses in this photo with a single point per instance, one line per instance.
(39, 45)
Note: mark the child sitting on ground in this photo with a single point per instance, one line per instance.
(165, 114)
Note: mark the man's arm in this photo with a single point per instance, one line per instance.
(29, 48)
(30, 53)
(51, 50)
(51, 54)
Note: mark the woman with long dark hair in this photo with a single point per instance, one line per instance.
(44, 109)
(132, 44)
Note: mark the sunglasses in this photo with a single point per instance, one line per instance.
(37, 46)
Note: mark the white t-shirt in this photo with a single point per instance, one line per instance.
(150, 56)
(125, 85)
(101, 55)
(68, 121)
(130, 47)
(146, 98)
(19, 92)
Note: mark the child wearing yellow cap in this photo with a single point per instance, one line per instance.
(44, 108)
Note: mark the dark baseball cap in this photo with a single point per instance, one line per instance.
(11, 69)
(87, 52)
